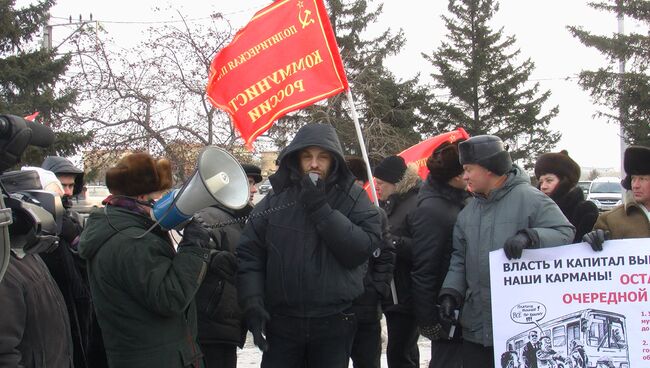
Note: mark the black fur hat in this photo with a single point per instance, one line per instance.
(487, 151)
(636, 161)
(253, 171)
(560, 164)
(444, 164)
(358, 167)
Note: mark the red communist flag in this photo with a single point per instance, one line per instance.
(284, 59)
(419, 153)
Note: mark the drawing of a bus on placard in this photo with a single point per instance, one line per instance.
(585, 339)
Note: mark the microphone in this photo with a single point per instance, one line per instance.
(314, 177)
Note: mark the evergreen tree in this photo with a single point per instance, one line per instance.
(389, 109)
(486, 91)
(626, 96)
(29, 76)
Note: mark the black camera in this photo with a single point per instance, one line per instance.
(30, 218)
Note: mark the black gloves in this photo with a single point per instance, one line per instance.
(195, 234)
(516, 244)
(432, 332)
(256, 318)
(393, 241)
(312, 196)
(448, 308)
(596, 239)
(70, 231)
(224, 264)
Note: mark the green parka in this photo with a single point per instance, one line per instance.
(143, 290)
(484, 225)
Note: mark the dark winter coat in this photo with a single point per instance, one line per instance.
(308, 264)
(367, 307)
(400, 208)
(219, 315)
(143, 290)
(626, 221)
(69, 272)
(34, 325)
(433, 227)
(582, 214)
(484, 225)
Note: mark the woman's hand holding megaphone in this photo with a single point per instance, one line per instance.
(195, 234)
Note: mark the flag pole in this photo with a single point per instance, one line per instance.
(364, 153)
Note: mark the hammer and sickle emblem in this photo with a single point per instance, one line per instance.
(307, 20)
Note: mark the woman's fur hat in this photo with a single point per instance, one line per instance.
(138, 173)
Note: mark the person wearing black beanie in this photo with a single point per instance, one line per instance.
(558, 175)
(441, 197)
(397, 188)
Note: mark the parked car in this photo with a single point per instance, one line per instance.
(264, 187)
(93, 198)
(606, 193)
(584, 185)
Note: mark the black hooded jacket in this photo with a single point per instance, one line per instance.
(308, 264)
(61, 165)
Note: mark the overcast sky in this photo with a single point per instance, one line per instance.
(539, 26)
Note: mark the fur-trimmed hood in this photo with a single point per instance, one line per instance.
(410, 180)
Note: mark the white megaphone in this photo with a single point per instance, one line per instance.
(219, 178)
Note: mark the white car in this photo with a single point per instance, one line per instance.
(606, 193)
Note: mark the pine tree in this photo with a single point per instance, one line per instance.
(487, 92)
(29, 76)
(389, 109)
(626, 96)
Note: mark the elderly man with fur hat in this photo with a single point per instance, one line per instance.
(558, 175)
(631, 219)
(506, 213)
(397, 188)
(143, 289)
(440, 199)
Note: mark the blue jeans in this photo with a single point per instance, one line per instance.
(323, 342)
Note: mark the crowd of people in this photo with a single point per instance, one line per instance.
(312, 270)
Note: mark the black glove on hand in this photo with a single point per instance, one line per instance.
(448, 308)
(195, 234)
(432, 332)
(596, 239)
(312, 196)
(70, 229)
(516, 244)
(392, 241)
(256, 318)
(224, 264)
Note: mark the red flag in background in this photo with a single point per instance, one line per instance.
(419, 153)
(286, 58)
(32, 116)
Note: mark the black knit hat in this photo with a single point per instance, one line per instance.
(560, 164)
(443, 163)
(487, 151)
(391, 169)
(358, 167)
(636, 161)
(253, 171)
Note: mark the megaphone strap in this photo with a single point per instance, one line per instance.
(243, 219)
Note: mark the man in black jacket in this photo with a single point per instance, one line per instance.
(366, 348)
(440, 199)
(303, 255)
(397, 188)
(69, 271)
(220, 320)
